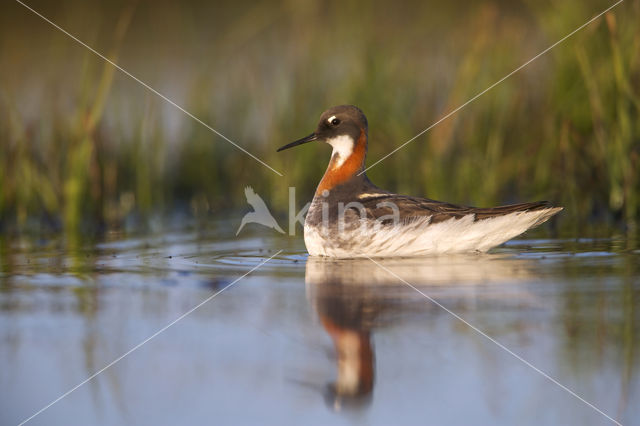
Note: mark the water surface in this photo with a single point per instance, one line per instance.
(306, 340)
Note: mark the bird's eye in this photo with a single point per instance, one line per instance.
(335, 122)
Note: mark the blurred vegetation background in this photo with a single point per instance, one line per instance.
(85, 149)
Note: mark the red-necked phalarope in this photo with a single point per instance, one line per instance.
(351, 217)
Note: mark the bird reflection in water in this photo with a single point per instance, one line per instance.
(353, 298)
(348, 316)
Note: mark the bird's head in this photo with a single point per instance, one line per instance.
(343, 127)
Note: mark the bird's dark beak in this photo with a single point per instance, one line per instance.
(312, 137)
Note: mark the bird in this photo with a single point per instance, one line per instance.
(260, 215)
(350, 217)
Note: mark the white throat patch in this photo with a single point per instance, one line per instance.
(343, 146)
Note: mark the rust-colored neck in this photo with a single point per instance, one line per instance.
(335, 175)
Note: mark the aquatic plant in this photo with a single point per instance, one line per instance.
(84, 147)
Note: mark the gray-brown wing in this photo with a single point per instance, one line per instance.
(410, 207)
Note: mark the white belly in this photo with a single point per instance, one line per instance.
(421, 238)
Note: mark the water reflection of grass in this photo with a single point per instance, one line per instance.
(599, 319)
(96, 149)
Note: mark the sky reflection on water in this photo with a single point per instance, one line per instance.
(317, 341)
